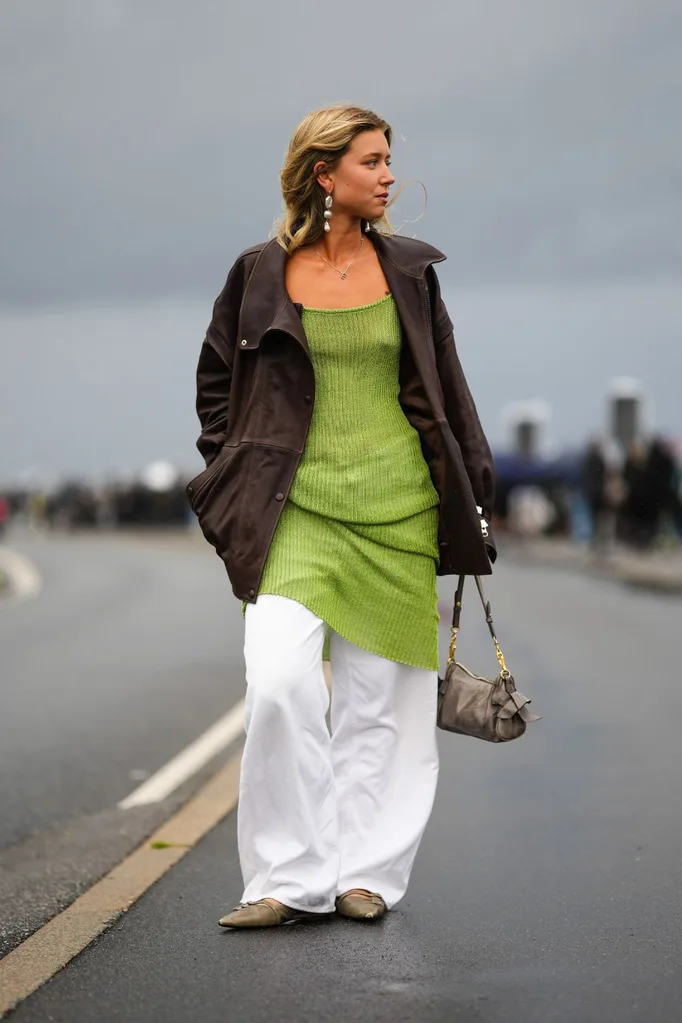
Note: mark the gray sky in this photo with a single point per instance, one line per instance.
(141, 144)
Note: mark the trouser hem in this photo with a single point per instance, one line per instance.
(291, 903)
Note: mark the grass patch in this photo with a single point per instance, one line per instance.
(168, 845)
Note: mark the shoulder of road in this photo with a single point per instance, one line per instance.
(659, 571)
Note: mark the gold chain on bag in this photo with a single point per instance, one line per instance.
(454, 628)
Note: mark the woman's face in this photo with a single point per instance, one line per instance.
(362, 179)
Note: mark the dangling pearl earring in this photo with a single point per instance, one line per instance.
(367, 228)
(328, 213)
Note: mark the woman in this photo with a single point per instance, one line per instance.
(346, 467)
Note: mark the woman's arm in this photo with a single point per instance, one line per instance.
(460, 411)
(214, 372)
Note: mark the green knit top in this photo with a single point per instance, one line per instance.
(357, 541)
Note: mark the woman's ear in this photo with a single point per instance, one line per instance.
(321, 172)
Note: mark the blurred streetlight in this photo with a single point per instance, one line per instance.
(626, 411)
(526, 423)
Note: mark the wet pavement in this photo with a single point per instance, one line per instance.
(548, 886)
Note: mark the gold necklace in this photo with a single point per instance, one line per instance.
(342, 272)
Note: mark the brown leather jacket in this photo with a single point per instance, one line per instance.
(255, 399)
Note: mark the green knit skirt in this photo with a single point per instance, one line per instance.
(375, 585)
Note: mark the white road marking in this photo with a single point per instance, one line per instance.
(25, 579)
(189, 761)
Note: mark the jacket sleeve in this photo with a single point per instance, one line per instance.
(461, 412)
(216, 359)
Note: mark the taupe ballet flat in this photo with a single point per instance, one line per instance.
(263, 913)
(361, 904)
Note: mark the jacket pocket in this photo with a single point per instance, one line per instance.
(196, 486)
(216, 495)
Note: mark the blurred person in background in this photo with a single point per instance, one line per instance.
(4, 515)
(638, 509)
(662, 476)
(593, 484)
(346, 467)
(603, 492)
(677, 495)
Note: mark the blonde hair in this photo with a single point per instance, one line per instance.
(325, 134)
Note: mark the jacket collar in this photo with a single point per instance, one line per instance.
(267, 306)
(409, 255)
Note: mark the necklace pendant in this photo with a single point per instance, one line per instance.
(343, 276)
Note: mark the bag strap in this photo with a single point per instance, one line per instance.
(456, 614)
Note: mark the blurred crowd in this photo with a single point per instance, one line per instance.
(80, 504)
(635, 499)
(606, 495)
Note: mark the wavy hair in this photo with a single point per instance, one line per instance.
(326, 134)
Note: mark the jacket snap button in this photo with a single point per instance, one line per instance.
(279, 497)
(244, 341)
(308, 399)
(252, 593)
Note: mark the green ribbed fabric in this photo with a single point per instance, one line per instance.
(357, 541)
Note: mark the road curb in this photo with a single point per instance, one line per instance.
(51, 948)
(644, 580)
(639, 576)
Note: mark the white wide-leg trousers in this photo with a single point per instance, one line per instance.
(319, 813)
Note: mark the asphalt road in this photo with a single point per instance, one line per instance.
(131, 650)
(549, 882)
